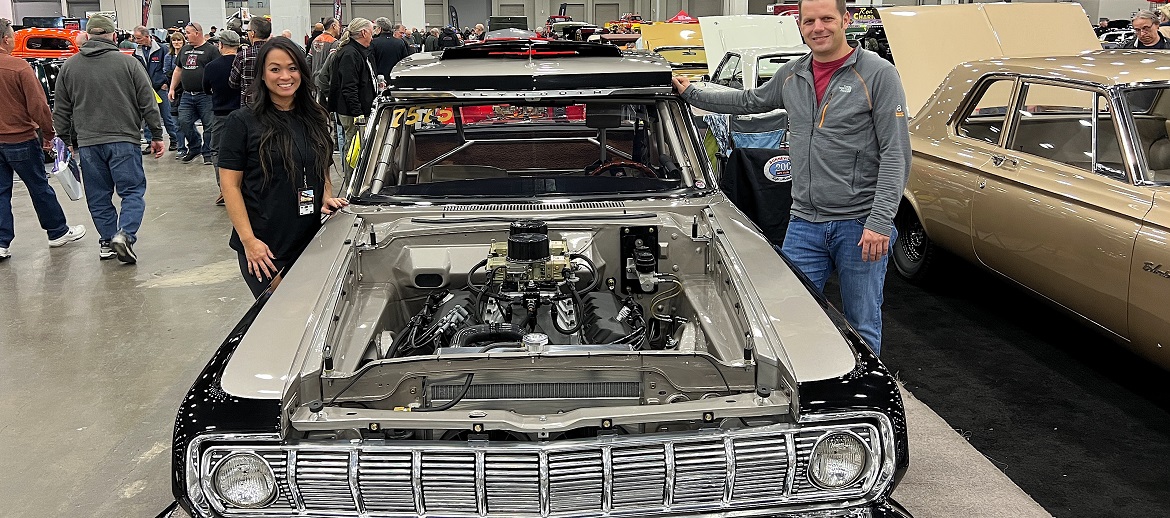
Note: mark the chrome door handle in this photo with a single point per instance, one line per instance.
(998, 160)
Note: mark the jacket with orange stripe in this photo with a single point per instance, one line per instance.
(850, 153)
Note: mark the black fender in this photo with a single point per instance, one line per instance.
(869, 376)
(207, 408)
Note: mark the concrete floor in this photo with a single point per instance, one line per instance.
(97, 356)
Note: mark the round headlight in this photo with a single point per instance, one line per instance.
(837, 461)
(245, 481)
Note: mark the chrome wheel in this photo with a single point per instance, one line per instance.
(913, 251)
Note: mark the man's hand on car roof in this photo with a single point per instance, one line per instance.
(680, 83)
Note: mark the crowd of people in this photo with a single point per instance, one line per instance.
(270, 113)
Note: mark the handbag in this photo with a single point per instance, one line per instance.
(66, 170)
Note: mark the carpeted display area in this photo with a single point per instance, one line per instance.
(1077, 421)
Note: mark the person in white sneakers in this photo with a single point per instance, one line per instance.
(103, 98)
(24, 109)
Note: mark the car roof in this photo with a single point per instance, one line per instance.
(40, 32)
(526, 66)
(1104, 67)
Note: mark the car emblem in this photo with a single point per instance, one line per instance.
(1156, 270)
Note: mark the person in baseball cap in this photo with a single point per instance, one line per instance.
(228, 38)
(99, 24)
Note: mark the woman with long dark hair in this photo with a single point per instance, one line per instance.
(274, 165)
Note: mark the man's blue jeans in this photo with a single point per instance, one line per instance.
(196, 106)
(164, 109)
(819, 248)
(28, 161)
(110, 168)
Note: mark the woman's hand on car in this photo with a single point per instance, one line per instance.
(259, 259)
(331, 204)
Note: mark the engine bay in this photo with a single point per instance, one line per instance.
(536, 327)
(537, 296)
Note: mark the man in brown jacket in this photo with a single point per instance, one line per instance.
(24, 109)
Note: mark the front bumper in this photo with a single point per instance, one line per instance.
(884, 509)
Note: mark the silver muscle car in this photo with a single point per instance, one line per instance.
(537, 305)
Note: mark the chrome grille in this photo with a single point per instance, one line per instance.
(512, 483)
(575, 481)
(323, 480)
(385, 481)
(448, 482)
(636, 475)
(761, 468)
(639, 477)
(700, 472)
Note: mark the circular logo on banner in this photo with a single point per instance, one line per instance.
(778, 169)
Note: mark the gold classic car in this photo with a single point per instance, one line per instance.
(681, 44)
(1052, 171)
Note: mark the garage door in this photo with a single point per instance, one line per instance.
(705, 9)
(512, 10)
(436, 16)
(576, 12)
(603, 13)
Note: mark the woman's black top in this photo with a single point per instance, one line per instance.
(273, 206)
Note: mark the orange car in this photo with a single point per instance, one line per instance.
(45, 43)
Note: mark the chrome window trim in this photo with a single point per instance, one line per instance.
(971, 99)
(1097, 89)
(877, 476)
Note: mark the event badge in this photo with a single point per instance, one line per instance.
(305, 205)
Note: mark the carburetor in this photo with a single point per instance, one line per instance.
(528, 259)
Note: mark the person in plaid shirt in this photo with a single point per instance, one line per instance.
(244, 67)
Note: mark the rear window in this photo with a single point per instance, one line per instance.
(47, 44)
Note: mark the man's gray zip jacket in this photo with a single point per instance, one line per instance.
(851, 153)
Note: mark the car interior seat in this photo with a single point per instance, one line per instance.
(1158, 158)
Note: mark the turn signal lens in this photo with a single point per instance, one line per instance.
(837, 461)
(245, 481)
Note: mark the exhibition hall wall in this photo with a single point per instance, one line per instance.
(472, 11)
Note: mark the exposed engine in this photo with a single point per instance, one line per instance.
(537, 296)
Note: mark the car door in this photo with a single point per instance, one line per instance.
(1149, 306)
(1058, 211)
(730, 72)
(946, 172)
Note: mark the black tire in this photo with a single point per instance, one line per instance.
(914, 255)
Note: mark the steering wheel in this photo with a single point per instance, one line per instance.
(615, 164)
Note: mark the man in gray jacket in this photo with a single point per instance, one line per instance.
(103, 97)
(850, 146)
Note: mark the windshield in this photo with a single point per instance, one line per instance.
(766, 67)
(519, 148)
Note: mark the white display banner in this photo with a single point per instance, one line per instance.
(414, 13)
